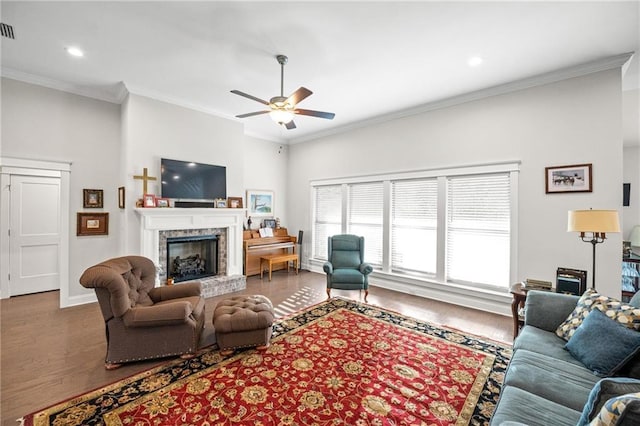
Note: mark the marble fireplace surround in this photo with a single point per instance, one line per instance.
(154, 220)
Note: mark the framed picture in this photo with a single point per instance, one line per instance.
(234, 202)
(220, 203)
(149, 200)
(162, 202)
(260, 203)
(121, 197)
(270, 223)
(92, 198)
(576, 178)
(92, 224)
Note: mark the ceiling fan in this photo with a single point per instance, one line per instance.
(281, 109)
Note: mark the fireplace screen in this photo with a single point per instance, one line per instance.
(190, 258)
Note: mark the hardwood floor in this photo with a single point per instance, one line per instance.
(50, 354)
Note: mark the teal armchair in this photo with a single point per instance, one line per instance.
(346, 269)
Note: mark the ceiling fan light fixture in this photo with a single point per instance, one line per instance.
(281, 116)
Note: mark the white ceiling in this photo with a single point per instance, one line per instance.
(362, 60)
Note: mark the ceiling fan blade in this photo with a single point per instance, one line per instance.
(299, 95)
(251, 114)
(290, 125)
(319, 114)
(262, 101)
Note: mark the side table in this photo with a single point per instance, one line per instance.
(519, 297)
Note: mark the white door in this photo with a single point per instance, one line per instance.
(34, 234)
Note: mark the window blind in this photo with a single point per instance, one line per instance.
(327, 217)
(478, 229)
(365, 212)
(414, 225)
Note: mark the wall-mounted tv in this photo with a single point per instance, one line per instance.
(189, 181)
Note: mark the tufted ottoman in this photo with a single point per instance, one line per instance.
(243, 321)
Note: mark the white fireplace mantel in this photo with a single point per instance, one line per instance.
(154, 220)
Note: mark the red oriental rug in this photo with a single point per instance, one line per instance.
(335, 363)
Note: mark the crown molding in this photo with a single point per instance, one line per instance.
(109, 94)
(604, 64)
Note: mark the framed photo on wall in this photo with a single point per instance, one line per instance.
(260, 202)
(121, 197)
(92, 224)
(92, 198)
(562, 179)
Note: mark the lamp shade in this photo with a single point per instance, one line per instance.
(593, 221)
(634, 237)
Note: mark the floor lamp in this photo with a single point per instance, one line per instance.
(593, 226)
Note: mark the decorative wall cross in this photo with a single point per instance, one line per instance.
(145, 178)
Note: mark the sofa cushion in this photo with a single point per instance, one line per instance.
(558, 381)
(519, 405)
(625, 314)
(543, 342)
(604, 390)
(602, 344)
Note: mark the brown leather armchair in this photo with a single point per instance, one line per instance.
(143, 321)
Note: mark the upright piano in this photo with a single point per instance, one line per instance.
(255, 246)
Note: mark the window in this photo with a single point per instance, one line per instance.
(448, 226)
(328, 217)
(365, 218)
(414, 225)
(478, 229)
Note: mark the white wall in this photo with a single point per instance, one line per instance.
(570, 122)
(108, 144)
(157, 129)
(45, 124)
(265, 167)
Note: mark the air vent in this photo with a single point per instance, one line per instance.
(6, 31)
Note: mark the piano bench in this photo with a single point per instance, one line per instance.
(270, 259)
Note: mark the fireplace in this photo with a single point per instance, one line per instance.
(193, 257)
(157, 225)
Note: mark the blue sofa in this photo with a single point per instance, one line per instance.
(546, 385)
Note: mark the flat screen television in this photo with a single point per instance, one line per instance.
(189, 181)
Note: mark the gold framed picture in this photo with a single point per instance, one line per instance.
(121, 197)
(92, 224)
(92, 198)
(162, 202)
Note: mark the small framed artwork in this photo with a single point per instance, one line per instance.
(92, 224)
(234, 202)
(220, 203)
(260, 203)
(149, 200)
(270, 223)
(561, 179)
(121, 197)
(162, 202)
(92, 198)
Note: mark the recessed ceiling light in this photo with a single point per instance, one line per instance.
(74, 51)
(474, 61)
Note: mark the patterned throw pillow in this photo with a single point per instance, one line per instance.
(615, 408)
(626, 315)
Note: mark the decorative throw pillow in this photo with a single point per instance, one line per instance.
(603, 391)
(626, 315)
(602, 344)
(615, 408)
